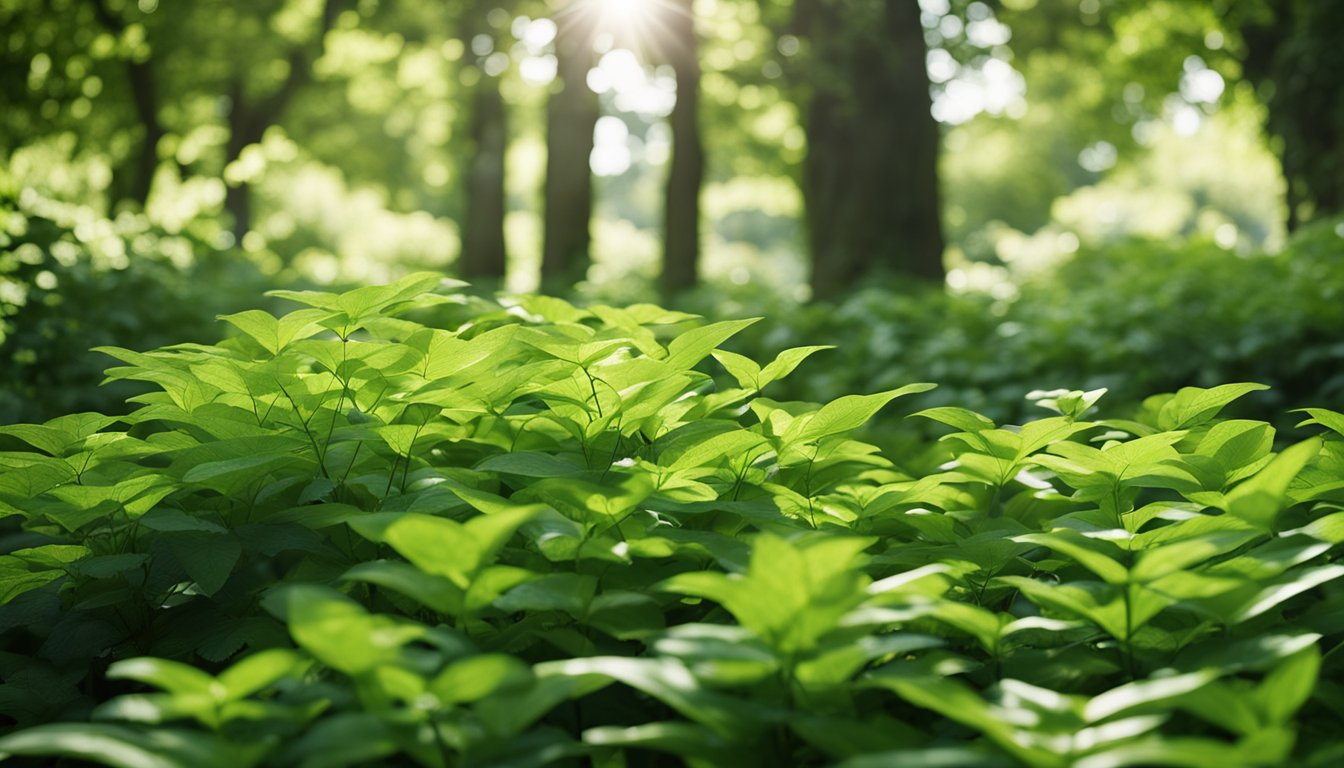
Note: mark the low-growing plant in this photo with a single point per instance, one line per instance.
(553, 535)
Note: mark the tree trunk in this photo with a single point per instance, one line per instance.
(681, 221)
(870, 179)
(1295, 55)
(248, 121)
(483, 253)
(571, 118)
(145, 98)
(144, 90)
(246, 127)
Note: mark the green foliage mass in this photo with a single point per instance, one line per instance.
(70, 279)
(541, 534)
(1134, 317)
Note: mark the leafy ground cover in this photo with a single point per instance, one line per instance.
(553, 535)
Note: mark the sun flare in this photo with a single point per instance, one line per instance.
(635, 24)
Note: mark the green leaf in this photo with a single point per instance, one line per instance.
(220, 474)
(568, 592)
(845, 413)
(399, 437)
(455, 550)
(344, 739)
(958, 702)
(669, 681)
(960, 418)
(685, 740)
(51, 555)
(1332, 420)
(260, 671)
(1069, 403)
(491, 582)
(713, 451)
(16, 578)
(339, 632)
(1176, 751)
(35, 477)
(793, 593)
(428, 589)
(51, 441)
(1193, 406)
(1237, 443)
(171, 676)
(1084, 600)
(1287, 587)
(275, 334)
(530, 464)
(1285, 689)
(477, 677)
(695, 345)
(1260, 499)
(208, 558)
(743, 369)
(786, 362)
(931, 757)
(436, 545)
(625, 615)
(1144, 692)
(370, 300)
(1157, 562)
(123, 747)
(1086, 551)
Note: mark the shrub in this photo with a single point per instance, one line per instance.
(547, 536)
(70, 280)
(1135, 318)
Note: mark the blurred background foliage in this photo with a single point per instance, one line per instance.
(999, 195)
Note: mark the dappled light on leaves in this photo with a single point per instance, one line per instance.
(403, 523)
(624, 382)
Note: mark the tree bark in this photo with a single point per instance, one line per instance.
(681, 220)
(248, 121)
(870, 179)
(145, 98)
(571, 118)
(1295, 55)
(484, 256)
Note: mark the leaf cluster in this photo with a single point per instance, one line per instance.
(548, 535)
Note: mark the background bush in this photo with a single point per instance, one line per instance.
(1135, 317)
(553, 535)
(71, 280)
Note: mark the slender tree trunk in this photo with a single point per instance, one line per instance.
(247, 125)
(681, 221)
(145, 98)
(571, 118)
(248, 120)
(483, 253)
(144, 91)
(870, 180)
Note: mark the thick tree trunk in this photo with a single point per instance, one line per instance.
(870, 180)
(1295, 56)
(483, 253)
(681, 221)
(571, 118)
